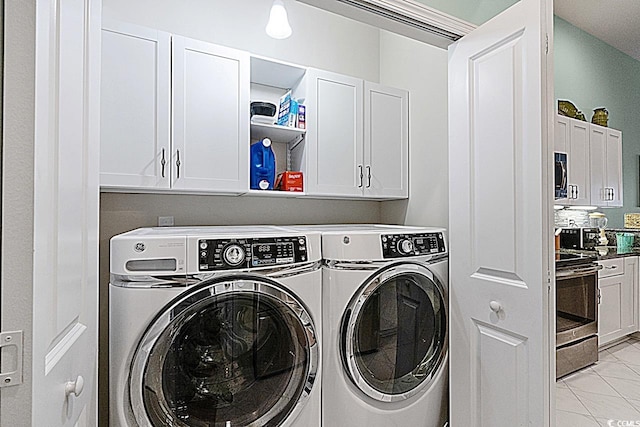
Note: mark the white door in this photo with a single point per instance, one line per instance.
(210, 117)
(578, 163)
(135, 107)
(334, 134)
(500, 219)
(598, 165)
(386, 141)
(614, 167)
(59, 295)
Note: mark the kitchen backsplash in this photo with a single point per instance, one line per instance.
(571, 218)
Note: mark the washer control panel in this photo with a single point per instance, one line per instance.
(405, 245)
(228, 254)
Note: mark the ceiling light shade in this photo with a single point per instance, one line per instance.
(278, 26)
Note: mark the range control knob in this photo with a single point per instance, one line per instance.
(233, 255)
(405, 246)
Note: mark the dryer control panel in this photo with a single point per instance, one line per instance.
(230, 254)
(406, 245)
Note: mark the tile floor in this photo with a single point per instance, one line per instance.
(606, 391)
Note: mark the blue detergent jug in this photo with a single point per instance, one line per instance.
(263, 166)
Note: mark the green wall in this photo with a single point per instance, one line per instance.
(473, 11)
(591, 73)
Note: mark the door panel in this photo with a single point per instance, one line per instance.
(500, 196)
(386, 141)
(66, 214)
(614, 166)
(135, 106)
(210, 119)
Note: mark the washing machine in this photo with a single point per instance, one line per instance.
(385, 326)
(215, 326)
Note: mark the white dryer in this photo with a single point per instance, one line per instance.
(385, 326)
(215, 326)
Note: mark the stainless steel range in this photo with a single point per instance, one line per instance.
(577, 297)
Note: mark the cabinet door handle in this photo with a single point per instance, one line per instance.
(577, 191)
(612, 193)
(360, 172)
(178, 163)
(368, 176)
(599, 296)
(163, 162)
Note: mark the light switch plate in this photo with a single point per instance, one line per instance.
(165, 221)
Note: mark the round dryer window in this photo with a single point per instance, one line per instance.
(394, 332)
(239, 352)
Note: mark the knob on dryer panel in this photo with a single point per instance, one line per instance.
(419, 244)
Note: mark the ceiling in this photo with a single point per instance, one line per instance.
(615, 22)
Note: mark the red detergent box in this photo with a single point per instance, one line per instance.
(289, 181)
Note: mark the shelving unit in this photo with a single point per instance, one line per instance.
(277, 134)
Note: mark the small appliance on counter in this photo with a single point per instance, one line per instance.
(579, 238)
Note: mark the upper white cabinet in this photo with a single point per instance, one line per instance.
(357, 137)
(335, 135)
(176, 116)
(606, 166)
(572, 137)
(594, 162)
(210, 118)
(386, 141)
(135, 107)
(174, 113)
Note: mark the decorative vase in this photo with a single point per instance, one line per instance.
(600, 116)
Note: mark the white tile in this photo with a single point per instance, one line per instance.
(560, 384)
(567, 401)
(608, 407)
(626, 388)
(634, 402)
(569, 419)
(615, 370)
(606, 356)
(602, 422)
(590, 382)
(629, 355)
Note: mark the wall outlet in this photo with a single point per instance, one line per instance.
(165, 221)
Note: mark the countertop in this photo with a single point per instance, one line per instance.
(605, 252)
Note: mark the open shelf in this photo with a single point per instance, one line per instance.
(274, 193)
(275, 133)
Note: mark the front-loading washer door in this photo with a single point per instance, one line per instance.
(394, 332)
(236, 351)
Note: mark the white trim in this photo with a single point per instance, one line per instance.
(406, 17)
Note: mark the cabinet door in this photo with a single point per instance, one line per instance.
(334, 135)
(210, 117)
(614, 167)
(578, 163)
(135, 110)
(630, 296)
(562, 136)
(610, 322)
(386, 141)
(597, 163)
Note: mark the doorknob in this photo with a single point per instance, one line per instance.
(495, 306)
(74, 387)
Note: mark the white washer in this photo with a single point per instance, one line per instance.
(215, 326)
(385, 326)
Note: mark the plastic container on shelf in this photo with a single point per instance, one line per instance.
(263, 166)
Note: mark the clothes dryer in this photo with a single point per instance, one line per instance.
(385, 326)
(215, 326)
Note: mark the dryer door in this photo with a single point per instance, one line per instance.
(394, 332)
(237, 351)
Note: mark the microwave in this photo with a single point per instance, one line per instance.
(579, 238)
(560, 175)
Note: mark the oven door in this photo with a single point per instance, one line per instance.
(576, 303)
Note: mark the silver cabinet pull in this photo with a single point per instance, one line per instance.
(163, 162)
(368, 176)
(178, 163)
(360, 172)
(577, 192)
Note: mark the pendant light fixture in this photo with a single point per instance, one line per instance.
(278, 26)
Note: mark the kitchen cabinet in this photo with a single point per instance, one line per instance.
(618, 299)
(572, 138)
(605, 146)
(174, 113)
(135, 107)
(357, 138)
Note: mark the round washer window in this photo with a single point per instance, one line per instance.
(395, 332)
(239, 357)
